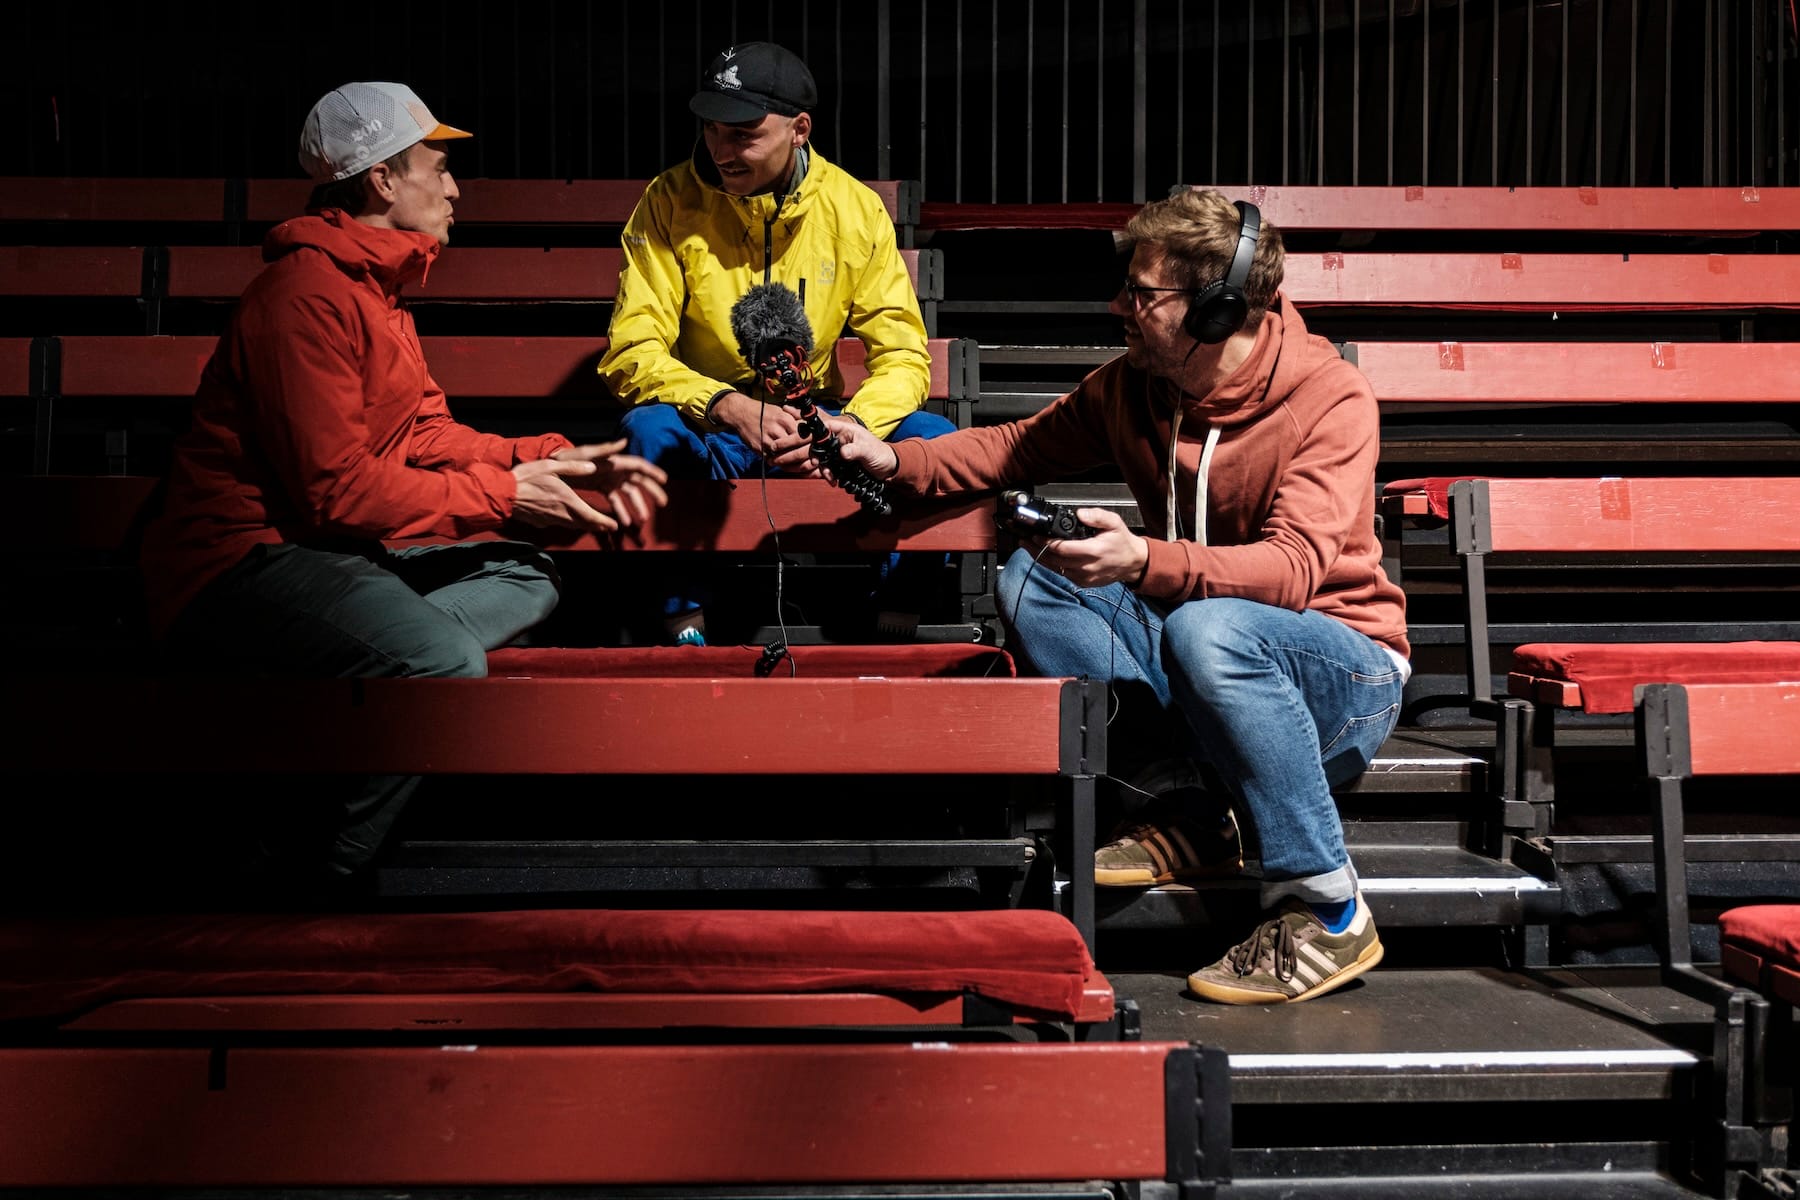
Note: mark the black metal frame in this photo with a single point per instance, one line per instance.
(1747, 1120)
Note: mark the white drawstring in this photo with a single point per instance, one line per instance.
(1174, 517)
(1200, 483)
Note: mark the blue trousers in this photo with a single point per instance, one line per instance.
(368, 612)
(658, 432)
(1284, 705)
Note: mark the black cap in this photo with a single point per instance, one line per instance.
(746, 82)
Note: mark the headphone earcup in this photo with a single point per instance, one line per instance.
(1218, 310)
(1215, 314)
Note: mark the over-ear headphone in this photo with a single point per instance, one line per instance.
(1218, 310)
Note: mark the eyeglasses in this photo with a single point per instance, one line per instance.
(1140, 294)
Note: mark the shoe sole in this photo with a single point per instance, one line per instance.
(1142, 877)
(1225, 994)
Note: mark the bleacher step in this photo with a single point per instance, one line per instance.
(1428, 886)
(1406, 1034)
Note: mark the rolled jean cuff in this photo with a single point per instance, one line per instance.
(1333, 887)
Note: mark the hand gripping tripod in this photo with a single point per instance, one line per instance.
(787, 376)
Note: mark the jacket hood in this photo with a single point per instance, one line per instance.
(1276, 364)
(387, 257)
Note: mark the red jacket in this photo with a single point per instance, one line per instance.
(317, 418)
(1290, 511)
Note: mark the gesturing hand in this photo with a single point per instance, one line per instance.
(633, 486)
(545, 499)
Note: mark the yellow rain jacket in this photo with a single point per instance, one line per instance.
(692, 250)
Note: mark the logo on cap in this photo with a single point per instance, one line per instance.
(728, 78)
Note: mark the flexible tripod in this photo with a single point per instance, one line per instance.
(787, 376)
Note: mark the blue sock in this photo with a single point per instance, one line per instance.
(1336, 914)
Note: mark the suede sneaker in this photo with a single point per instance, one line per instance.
(1291, 956)
(1170, 850)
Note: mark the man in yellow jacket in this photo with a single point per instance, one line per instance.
(757, 204)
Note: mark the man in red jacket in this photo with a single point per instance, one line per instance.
(1254, 618)
(318, 435)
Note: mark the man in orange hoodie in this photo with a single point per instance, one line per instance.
(318, 434)
(1255, 612)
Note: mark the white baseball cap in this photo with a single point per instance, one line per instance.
(355, 126)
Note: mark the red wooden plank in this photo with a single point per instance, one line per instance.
(96, 199)
(1546, 282)
(109, 365)
(852, 358)
(497, 367)
(569, 726)
(275, 199)
(511, 273)
(1660, 514)
(71, 271)
(469, 1115)
(467, 1013)
(464, 1013)
(463, 273)
(529, 368)
(510, 201)
(1744, 728)
(1715, 210)
(548, 201)
(951, 215)
(1705, 211)
(15, 366)
(1582, 372)
(211, 272)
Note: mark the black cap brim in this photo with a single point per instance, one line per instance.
(728, 109)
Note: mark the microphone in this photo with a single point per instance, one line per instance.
(776, 339)
(767, 319)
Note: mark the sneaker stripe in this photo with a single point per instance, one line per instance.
(1322, 963)
(1184, 848)
(1161, 855)
(1306, 974)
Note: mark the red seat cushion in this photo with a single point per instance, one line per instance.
(1759, 945)
(58, 966)
(1607, 673)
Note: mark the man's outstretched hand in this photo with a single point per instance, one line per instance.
(549, 495)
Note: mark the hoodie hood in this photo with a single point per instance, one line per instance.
(1261, 381)
(388, 258)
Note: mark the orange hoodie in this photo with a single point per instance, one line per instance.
(317, 418)
(1288, 486)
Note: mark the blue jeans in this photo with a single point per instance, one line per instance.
(1284, 705)
(362, 612)
(657, 432)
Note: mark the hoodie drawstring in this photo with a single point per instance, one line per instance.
(1206, 454)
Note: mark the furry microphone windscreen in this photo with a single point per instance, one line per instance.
(767, 315)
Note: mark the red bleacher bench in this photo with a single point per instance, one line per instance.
(1721, 732)
(1608, 519)
(558, 1046)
